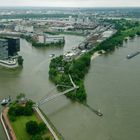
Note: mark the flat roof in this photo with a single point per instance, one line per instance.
(3, 39)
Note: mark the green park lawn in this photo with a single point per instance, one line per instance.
(19, 126)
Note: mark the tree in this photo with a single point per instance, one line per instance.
(28, 111)
(42, 127)
(138, 33)
(37, 137)
(32, 127)
(21, 95)
(47, 138)
(19, 110)
(29, 103)
(20, 60)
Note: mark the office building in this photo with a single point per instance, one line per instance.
(9, 47)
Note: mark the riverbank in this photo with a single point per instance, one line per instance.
(96, 54)
(110, 83)
(79, 67)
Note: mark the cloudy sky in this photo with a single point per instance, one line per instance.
(72, 3)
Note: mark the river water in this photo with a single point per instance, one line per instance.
(112, 85)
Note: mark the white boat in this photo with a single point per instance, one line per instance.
(99, 113)
(5, 101)
(52, 55)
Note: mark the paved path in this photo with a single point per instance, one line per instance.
(47, 124)
(11, 131)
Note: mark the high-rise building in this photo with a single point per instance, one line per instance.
(9, 47)
(13, 46)
(3, 49)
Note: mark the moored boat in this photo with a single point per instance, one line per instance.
(6, 101)
(52, 55)
(129, 56)
(99, 113)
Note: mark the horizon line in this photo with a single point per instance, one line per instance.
(69, 7)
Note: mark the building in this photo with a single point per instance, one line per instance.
(72, 20)
(13, 46)
(107, 34)
(20, 28)
(9, 47)
(3, 49)
(54, 39)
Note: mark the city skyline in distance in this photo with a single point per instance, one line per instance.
(70, 3)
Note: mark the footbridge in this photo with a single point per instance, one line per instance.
(50, 97)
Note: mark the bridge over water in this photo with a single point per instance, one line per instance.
(51, 97)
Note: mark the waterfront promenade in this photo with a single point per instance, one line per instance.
(6, 125)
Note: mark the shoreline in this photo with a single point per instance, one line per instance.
(10, 134)
(95, 55)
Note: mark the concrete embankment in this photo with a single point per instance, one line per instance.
(8, 65)
(6, 125)
(46, 122)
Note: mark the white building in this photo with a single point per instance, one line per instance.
(20, 28)
(107, 34)
(54, 39)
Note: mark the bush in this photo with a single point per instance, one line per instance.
(18, 110)
(28, 111)
(32, 127)
(20, 60)
(42, 127)
(47, 138)
(12, 118)
(138, 33)
(37, 137)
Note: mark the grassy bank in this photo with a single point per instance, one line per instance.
(19, 126)
(26, 123)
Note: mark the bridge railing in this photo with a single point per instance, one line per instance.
(52, 96)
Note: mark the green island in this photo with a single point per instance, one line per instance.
(25, 122)
(37, 44)
(79, 67)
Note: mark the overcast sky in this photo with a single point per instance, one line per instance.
(72, 3)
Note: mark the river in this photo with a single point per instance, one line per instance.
(112, 85)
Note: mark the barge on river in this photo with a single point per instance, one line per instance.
(129, 56)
